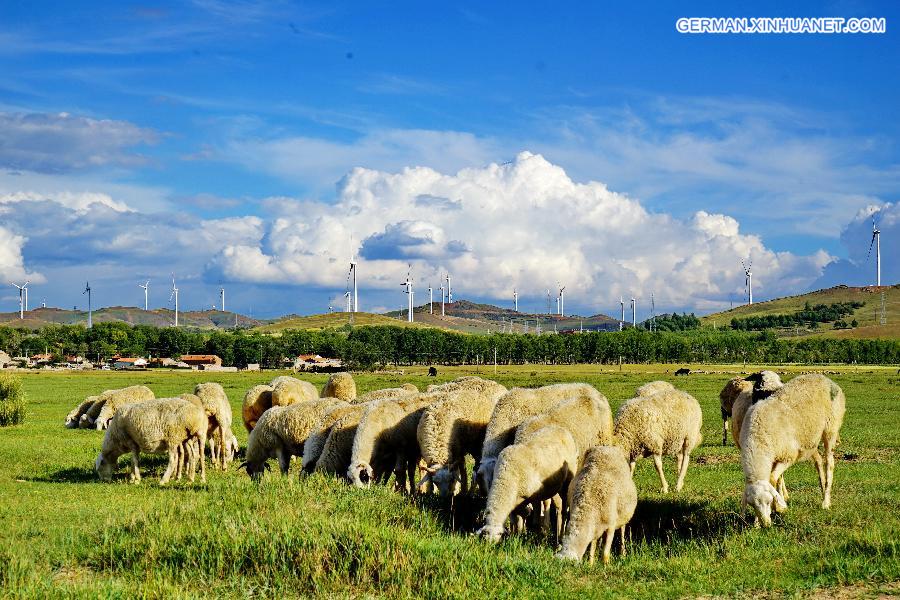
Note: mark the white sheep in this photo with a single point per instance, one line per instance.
(602, 499)
(281, 433)
(512, 409)
(664, 424)
(289, 390)
(407, 389)
(785, 428)
(113, 400)
(218, 411)
(739, 394)
(533, 469)
(171, 425)
(340, 386)
(454, 427)
(74, 417)
(257, 400)
(312, 449)
(654, 387)
(336, 452)
(386, 439)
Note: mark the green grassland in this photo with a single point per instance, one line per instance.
(65, 534)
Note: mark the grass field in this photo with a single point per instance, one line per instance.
(63, 533)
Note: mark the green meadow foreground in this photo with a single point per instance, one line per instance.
(63, 533)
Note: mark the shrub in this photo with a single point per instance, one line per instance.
(12, 400)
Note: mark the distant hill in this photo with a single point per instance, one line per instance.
(868, 316)
(162, 317)
(331, 320)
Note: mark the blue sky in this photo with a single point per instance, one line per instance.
(242, 144)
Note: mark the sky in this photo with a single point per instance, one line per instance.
(258, 145)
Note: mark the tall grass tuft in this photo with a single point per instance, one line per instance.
(12, 400)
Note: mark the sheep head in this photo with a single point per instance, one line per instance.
(762, 496)
(105, 467)
(484, 474)
(491, 533)
(361, 474)
(446, 479)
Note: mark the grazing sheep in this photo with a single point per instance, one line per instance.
(533, 469)
(386, 439)
(74, 417)
(218, 411)
(666, 423)
(587, 417)
(785, 428)
(739, 395)
(312, 449)
(454, 427)
(432, 372)
(340, 386)
(169, 425)
(113, 400)
(602, 499)
(682, 371)
(257, 400)
(338, 447)
(407, 389)
(654, 387)
(512, 409)
(290, 390)
(281, 433)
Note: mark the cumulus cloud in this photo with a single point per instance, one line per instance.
(858, 268)
(523, 224)
(12, 265)
(58, 143)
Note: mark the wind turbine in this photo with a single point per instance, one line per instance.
(516, 299)
(652, 312)
(174, 295)
(430, 299)
(449, 290)
(442, 299)
(633, 313)
(222, 299)
(749, 280)
(146, 288)
(876, 240)
(352, 276)
(549, 311)
(23, 289)
(562, 301)
(347, 296)
(87, 290)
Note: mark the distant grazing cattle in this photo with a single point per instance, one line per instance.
(683, 371)
(432, 372)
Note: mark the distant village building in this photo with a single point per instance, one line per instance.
(252, 367)
(40, 359)
(201, 361)
(314, 362)
(129, 363)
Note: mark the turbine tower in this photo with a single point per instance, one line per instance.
(749, 280)
(409, 295)
(87, 290)
(347, 296)
(430, 299)
(174, 296)
(549, 311)
(562, 301)
(876, 240)
(354, 300)
(633, 313)
(516, 299)
(146, 288)
(23, 289)
(442, 299)
(222, 299)
(652, 312)
(449, 290)
(622, 320)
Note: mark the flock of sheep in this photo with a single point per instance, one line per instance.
(553, 455)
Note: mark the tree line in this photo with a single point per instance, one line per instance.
(810, 316)
(374, 346)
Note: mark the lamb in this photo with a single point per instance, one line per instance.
(512, 409)
(785, 428)
(407, 389)
(113, 400)
(386, 438)
(533, 469)
(454, 427)
(74, 417)
(281, 433)
(168, 425)
(602, 499)
(739, 395)
(666, 423)
(256, 401)
(218, 411)
(340, 386)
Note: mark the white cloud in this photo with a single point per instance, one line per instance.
(12, 265)
(523, 224)
(80, 202)
(859, 267)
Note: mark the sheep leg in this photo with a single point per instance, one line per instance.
(777, 478)
(201, 444)
(607, 546)
(820, 470)
(135, 468)
(631, 465)
(724, 432)
(463, 477)
(411, 475)
(829, 471)
(657, 462)
(284, 460)
(220, 448)
(683, 459)
(559, 503)
(173, 464)
(591, 547)
(622, 540)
